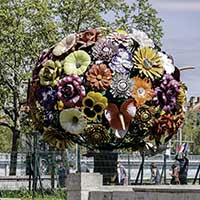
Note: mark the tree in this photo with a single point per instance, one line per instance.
(29, 26)
(139, 14)
(26, 26)
(191, 131)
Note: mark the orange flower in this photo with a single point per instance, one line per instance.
(88, 37)
(142, 90)
(99, 77)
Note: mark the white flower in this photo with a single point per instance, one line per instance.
(142, 38)
(167, 63)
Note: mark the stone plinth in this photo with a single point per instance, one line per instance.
(88, 186)
(79, 185)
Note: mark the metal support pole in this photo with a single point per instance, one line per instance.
(165, 169)
(195, 179)
(129, 170)
(141, 170)
(78, 158)
(163, 172)
(34, 165)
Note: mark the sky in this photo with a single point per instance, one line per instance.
(182, 37)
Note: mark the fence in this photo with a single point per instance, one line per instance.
(49, 167)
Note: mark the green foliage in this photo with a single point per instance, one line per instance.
(76, 15)
(27, 195)
(191, 130)
(140, 15)
(5, 139)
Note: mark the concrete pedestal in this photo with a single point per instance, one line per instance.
(88, 186)
(79, 185)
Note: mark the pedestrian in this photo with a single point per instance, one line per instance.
(183, 168)
(175, 174)
(61, 175)
(155, 174)
(121, 173)
(84, 167)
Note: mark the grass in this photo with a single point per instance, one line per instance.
(27, 195)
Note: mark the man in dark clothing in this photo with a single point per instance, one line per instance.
(61, 175)
(183, 168)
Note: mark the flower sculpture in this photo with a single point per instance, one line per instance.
(70, 90)
(106, 89)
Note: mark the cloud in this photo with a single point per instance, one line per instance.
(178, 6)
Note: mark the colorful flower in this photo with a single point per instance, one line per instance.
(167, 123)
(143, 121)
(166, 93)
(103, 50)
(47, 97)
(50, 73)
(72, 121)
(93, 105)
(142, 90)
(87, 38)
(181, 97)
(56, 138)
(96, 134)
(121, 85)
(70, 90)
(99, 77)
(120, 118)
(76, 62)
(167, 63)
(119, 38)
(141, 38)
(148, 61)
(121, 62)
(64, 45)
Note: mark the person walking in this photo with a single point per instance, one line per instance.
(183, 168)
(121, 172)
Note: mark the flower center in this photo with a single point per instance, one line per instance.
(78, 65)
(147, 64)
(74, 120)
(122, 85)
(141, 91)
(99, 77)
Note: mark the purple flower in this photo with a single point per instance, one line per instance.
(47, 97)
(166, 93)
(121, 62)
(103, 50)
(70, 90)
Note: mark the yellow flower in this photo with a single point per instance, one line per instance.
(142, 90)
(181, 98)
(93, 105)
(72, 121)
(50, 73)
(149, 63)
(56, 139)
(76, 62)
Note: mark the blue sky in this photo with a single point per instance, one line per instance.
(182, 37)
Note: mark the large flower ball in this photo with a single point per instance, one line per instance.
(106, 89)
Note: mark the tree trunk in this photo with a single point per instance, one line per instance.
(105, 163)
(13, 158)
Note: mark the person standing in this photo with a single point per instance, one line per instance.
(183, 168)
(155, 174)
(121, 172)
(175, 175)
(62, 175)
